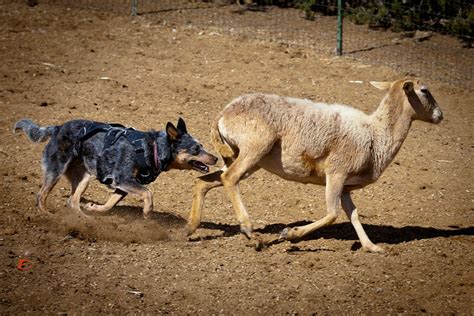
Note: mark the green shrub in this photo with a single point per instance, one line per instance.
(381, 18)
(361, 15)
(448, 16)
(308, 7)
(462, 26)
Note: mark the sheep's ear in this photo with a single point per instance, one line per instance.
(381, 85)
(171, 131)
(408, 86)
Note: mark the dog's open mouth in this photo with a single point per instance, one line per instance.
(199, 166)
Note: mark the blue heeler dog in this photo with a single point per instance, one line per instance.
(122, 158)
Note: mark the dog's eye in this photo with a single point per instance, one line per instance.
(195, 149)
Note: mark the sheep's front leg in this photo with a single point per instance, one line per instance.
(230, 181)
(244, 166)
(202, 185)
(334, 186)
(352, 214)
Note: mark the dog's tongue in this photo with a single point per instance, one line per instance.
(199, 166)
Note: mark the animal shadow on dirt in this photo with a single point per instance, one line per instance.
(344, 231)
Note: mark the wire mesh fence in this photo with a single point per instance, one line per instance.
(372, 30)
(132, 6)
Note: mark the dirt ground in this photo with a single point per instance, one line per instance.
(59, 64)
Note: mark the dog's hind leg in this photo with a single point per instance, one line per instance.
(49, 181)
(79, 178)
(57, 155)
(352, 214)
(116, 197)
(53, 169)
(334, 187)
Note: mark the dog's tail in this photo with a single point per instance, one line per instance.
(35, 133)
(227, 153)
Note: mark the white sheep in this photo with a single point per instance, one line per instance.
(327, 144)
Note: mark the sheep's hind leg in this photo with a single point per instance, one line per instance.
(334, 186)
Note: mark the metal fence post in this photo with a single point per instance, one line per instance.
(134, 7)
(339, 27)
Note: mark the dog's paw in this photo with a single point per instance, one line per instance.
(90, 206)
(69, 202)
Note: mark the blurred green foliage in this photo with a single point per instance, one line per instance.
(455, 17)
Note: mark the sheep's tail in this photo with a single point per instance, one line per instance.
(35, 132)
(227, 153)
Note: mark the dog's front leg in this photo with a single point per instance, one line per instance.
(147, 203)
(138, 189)
(78, 187)
(116, 197)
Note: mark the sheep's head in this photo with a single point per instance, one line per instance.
(416, 93)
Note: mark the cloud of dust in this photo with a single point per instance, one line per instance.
(116, 227)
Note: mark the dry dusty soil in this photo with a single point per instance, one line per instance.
(59, 64)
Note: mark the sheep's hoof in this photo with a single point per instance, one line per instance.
(284, 234)
(247, 231)
(189, 230)
(260, 245)
(374, 249)
(289, 234)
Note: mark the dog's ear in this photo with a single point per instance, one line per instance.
(172, 132)
(182, 127)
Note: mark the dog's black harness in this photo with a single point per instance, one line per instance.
(147, 171)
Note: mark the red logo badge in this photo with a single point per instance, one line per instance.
(24, 265)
